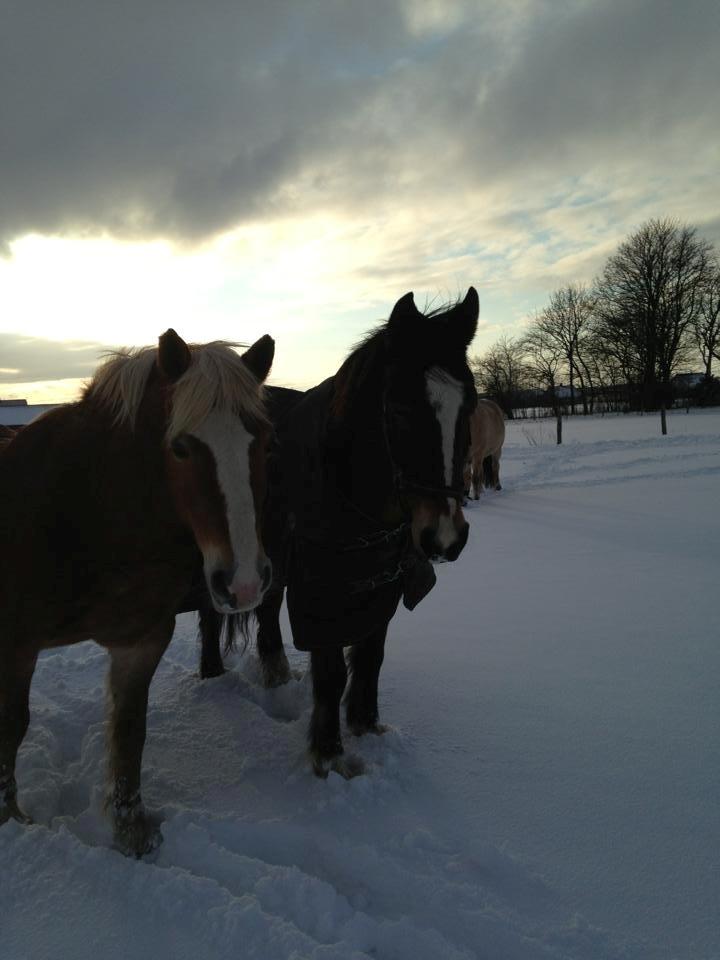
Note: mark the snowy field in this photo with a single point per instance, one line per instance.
(548, 788)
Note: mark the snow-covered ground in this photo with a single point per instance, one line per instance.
(548, 788)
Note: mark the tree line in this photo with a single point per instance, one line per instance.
(619, 343)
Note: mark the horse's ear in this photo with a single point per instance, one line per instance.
(173, 355)
(404, 315)
(466, 316)
(260, 356)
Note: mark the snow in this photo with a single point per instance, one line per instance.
(547, 789)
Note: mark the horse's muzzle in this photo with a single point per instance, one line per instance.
(230, 595)
(436, 551)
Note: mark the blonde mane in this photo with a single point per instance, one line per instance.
(217, 379)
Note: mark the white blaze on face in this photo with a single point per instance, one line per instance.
(445, 394)
(230, 442)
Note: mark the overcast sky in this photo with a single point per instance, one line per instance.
(231, 168)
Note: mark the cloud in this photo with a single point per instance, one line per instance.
(28, 359)
(156, 119)
(307, 163)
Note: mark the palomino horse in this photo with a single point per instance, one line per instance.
(111, 507)
(487, 435)
(365, 489)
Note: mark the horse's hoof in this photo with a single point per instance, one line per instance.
(275, 671)
(9, 809)
(136, 832)
(214, 670)
(138, 835)
(346, 764)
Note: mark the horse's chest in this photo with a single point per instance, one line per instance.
(123, 599)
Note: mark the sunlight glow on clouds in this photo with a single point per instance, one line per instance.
(316, 284)
(234, 170)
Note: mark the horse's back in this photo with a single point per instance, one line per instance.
(32, 465)
(487, 429)
(281, 403)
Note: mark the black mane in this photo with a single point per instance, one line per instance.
(362, 365)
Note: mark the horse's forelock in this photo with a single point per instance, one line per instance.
(217, 379)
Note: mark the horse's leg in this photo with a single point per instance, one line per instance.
(329, 675)
(477, 477)
(131, 670)
(362, 701)
(211, 661)
(274, 662)
(467, 478)
(16, 671)
(496, 471)
(487, 471)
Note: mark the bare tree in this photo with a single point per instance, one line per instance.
(611, 374)
(706, 326)
(544, 356)
(566, 321)
(500, 373)
(648, 298)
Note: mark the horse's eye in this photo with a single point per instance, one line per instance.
(180, 448)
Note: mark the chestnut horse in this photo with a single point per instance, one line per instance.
(112, 507)
(487, 435)
(365, 492)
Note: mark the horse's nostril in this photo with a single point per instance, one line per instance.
(454, 551)
(219, 584)
(427, 542)
(266, 575)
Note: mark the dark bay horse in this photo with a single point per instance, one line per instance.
(110, 509)
(487, 436)
(365, 490)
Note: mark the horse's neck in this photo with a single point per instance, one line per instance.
(130, 462)
(364, 470)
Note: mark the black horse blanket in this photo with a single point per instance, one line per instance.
(345, 573)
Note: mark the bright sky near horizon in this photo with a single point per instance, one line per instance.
(232, 169)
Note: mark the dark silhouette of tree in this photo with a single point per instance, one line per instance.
(567, 322)
(544, 355)
(706, 326)
(647, 301)
(500, 373)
